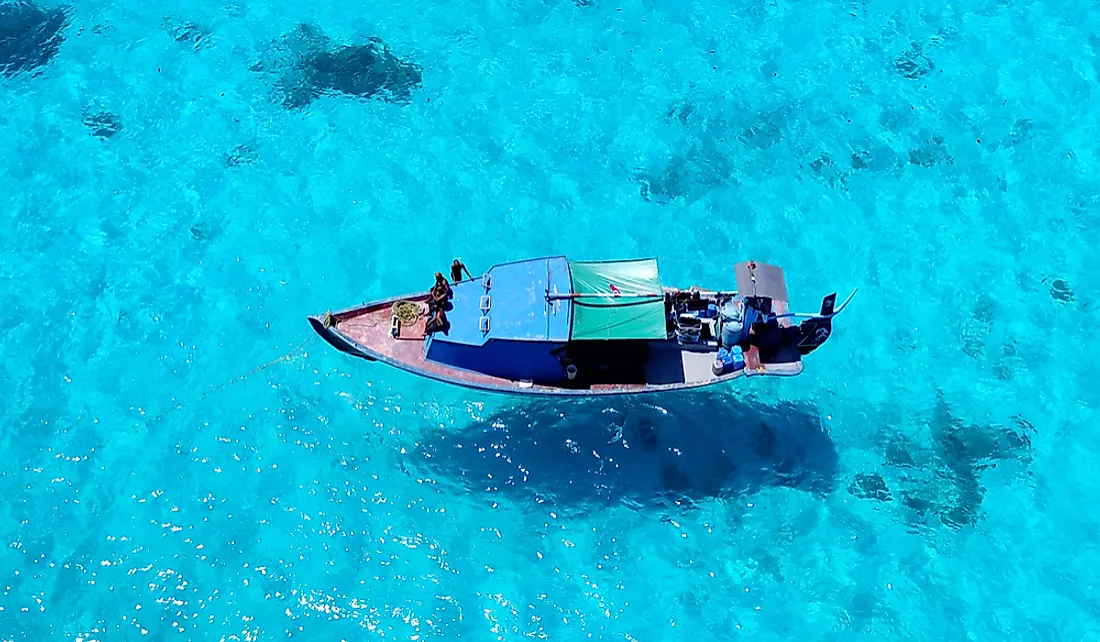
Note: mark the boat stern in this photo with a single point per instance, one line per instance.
(816, 330)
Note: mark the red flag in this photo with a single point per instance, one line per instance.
(614, 289)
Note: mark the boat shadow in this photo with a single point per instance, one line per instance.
(674, 449)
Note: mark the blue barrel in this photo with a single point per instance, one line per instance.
(731, 333)
(732, 323)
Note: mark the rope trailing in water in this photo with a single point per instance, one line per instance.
(408, 312)
(286, 357)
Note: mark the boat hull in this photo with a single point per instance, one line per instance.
(365, 331)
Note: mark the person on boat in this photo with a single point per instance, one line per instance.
(441, 291)
(437, 322)
(457, 268)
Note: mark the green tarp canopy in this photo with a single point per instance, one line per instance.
(606, 301)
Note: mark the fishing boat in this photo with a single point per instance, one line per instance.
(556, 326)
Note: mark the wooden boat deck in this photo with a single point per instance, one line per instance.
(365, 331)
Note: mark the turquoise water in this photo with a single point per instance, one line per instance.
(169, 222)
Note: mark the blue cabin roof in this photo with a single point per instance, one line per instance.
(518, 309)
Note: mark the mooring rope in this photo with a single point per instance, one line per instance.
(286, 357)
(406, 311)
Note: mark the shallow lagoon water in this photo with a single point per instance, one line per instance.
(170, 222)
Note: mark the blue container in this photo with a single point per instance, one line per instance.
(728, 361)
(738, 356)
